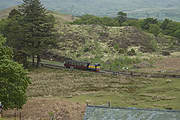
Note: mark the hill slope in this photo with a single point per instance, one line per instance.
(135, 8)
(4, 13)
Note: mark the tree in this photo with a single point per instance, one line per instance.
(13, 30)
(165, 23)
(13, 79)
(39, 32)
(14, 13)
(122, 17)
(154, 29)
(147, 22)
(177, 33)
(170, 27)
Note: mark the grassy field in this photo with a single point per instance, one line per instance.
(98, 89)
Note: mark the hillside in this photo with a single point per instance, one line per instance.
(61, 18)
(4, 13)
(101, 44)
(89, 40)
(8, 3)
(105, 44)
(135, 8)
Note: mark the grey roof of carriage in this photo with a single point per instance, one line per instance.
(107, 113)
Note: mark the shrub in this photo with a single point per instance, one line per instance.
(86, 49)
(132, 52)
(166, 53)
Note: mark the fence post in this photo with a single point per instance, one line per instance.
(109, 104)
(20, 116)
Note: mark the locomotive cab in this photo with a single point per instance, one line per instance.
(97, 67)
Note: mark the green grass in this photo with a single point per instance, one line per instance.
(3, 119)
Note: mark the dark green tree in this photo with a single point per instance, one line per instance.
(122, 17)
(154, 29)
(165, 23)
(147, 22)
(13, 30)
(177, 33)
(39, 32)
(14, 13)
(13, 79)
(170, 28)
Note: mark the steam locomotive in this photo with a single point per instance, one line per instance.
(82, 65)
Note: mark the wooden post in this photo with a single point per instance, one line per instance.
(109, 104)
(15, 113)
(87, 104)
(1, 109)
(20, 116)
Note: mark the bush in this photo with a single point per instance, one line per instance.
(154, 29)
(121, 50)
(132, 52)
(166, 53)
(86, 49)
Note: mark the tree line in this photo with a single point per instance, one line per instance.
(152, 25)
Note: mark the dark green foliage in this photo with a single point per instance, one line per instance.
(38, 27)
(14, 13)
(3, 26)
(177, 33)
(5, 52)
(86, 49)
(132, 52)
(13, 80)
(165, 23)
(29, 31)
(88, 19)
(166, 53)
(147, 22)
(14, 32)
(154, 29)
(121, 17)
(171, 28)
(130, 23)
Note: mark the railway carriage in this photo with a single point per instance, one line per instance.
(82, 65)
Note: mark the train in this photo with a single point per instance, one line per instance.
(82, 65)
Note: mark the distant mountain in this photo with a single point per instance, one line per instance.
(8, 3)
(135, 8)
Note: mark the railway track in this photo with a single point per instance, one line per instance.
(126, 73)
